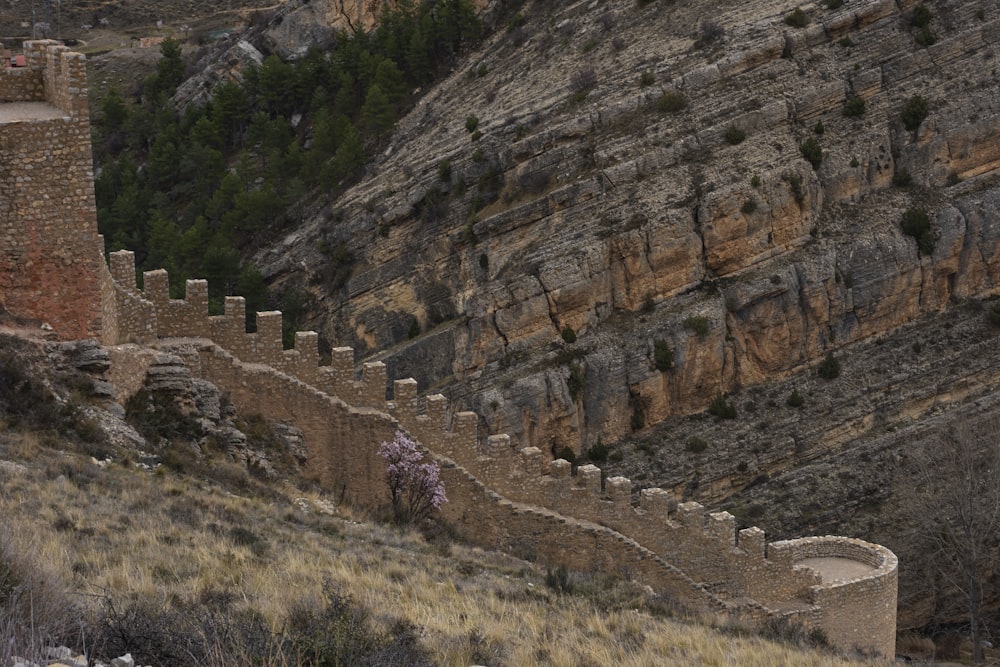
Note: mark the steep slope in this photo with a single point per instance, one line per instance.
(634, 175)
(174, 547)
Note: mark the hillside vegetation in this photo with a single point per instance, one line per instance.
(216, 566)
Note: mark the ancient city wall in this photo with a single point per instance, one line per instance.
(499, 497)
(858, 612)
(21, 84)
(343, 442)
(51, 268)
(128, 316)
(49, 249)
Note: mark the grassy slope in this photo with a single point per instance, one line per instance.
(126, 534)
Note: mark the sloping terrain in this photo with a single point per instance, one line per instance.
(610, 215)
(168, 547)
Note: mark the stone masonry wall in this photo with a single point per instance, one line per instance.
(499, 497)
(854, 612)
(343, 442)
(49, 259)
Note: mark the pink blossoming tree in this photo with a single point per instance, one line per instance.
(415, 488)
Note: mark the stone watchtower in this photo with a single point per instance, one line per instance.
(50, 252)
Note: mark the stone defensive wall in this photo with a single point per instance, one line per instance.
(498, 497)
(852, 602)
(49, 259)
(343, 441)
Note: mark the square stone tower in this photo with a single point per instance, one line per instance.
(50, 251)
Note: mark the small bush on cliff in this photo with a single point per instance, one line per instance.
(812, 152)
(914, 113)
(921, 17)
(598, 452)
(854, 107)
(994, 314)
(638, 404)
(535, 182)
(568, 334)
(663, 356)
(797, 18)
(415, 488)
(566, 454)
(671, 102)
(829, 368)
(582, 81)
(444, 171)
(795, 183)
(902, 178)
(722, 408)
(917, 223)
(696, 445)
(735, 135)
(414, 329)
(576, 381)
(925, 37)
(699, 324)
(795, 399)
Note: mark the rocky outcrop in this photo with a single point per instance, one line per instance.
(307, 24)
(625, 223)
(217, 67)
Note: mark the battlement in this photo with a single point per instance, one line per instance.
(706, 547)
(53, 74)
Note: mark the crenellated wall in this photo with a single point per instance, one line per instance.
(855, 607)
(498, 496)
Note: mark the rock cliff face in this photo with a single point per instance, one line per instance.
(639, 185)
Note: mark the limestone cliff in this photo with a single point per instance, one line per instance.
(639, 178)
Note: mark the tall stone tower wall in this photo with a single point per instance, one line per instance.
(50, 251)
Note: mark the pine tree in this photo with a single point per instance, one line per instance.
(390, 80)
(376, 114)
(169, 72)
(349, 159)
(418, 57)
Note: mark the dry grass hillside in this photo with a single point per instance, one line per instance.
(181, 556)
(656, 194)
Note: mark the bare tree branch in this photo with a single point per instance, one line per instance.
(957, 508)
